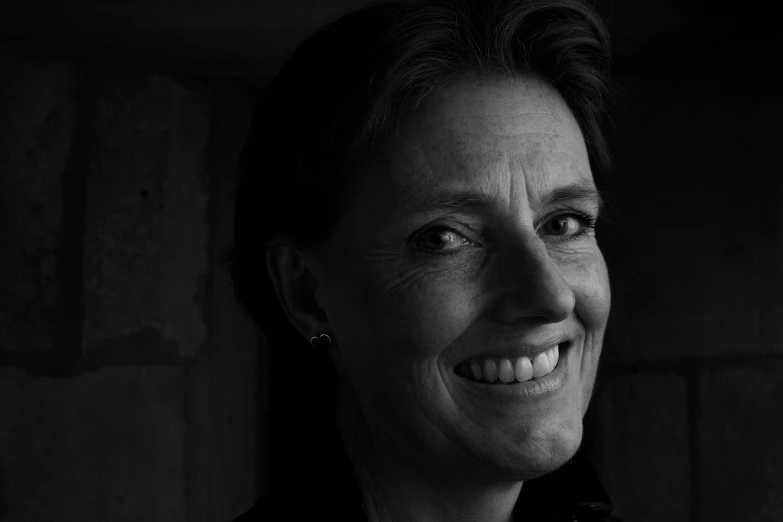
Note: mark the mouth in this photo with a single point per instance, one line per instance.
(512, 370)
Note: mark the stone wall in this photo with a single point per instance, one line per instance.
(128, 378)
(127, 373)
(685, 416)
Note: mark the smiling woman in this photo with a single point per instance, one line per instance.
(418, 191)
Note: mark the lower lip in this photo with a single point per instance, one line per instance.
(522, 391)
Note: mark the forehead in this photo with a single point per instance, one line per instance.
(483, 135)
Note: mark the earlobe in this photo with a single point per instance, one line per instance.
(295, 286)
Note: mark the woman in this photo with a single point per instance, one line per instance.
(415, 236)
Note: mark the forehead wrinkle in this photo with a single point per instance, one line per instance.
(540, 105)
(492, 170)
(438, 124)
(485, 146)
(545, 169)
(484, 109)
(488, 131)
(525, 135)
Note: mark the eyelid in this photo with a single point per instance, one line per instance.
(444, 227)
(587, 223)
(453, 228)
(587, 216)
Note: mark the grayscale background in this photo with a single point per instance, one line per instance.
(131, 387)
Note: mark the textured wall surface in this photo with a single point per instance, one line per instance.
(644, 445)
(240, 38)
(686, 411)
(109, 445)
(39, 111)
(128, 379)
(127, 373)
(146, 217)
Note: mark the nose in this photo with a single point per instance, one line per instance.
(532, 287)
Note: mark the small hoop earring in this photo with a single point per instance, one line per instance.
(314, 340)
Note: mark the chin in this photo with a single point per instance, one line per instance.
(541, 451)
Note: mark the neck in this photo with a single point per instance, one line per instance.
(400, 485)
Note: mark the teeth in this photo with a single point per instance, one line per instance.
(540, 365)
(475, 370)
(507, 370)
(523, 369)
(490, 370)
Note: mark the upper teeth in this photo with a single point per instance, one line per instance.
(507, 370)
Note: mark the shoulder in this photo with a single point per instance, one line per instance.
(572, 492)
(317, 503)
(254, 513)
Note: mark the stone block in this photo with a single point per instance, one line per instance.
(740, 429)
(107, 445)
(146, 219)
(640, 440)
(225, 385)
(39, 109)
(689, 277)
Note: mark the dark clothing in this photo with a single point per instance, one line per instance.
(329, 490)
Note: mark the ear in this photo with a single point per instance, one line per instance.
(291, 271)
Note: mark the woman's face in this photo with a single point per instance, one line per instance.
(467, 238)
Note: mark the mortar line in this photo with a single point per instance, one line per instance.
(693, 408)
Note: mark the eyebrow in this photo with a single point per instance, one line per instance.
(436, 200)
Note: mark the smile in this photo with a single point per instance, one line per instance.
(509, 371)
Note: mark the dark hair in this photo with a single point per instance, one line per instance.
(350, 82)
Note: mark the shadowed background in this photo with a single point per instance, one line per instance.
(131, 388)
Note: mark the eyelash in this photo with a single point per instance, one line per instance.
(586, 220)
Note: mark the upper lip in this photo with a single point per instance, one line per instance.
(513, 349)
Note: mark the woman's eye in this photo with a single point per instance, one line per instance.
(568, 225)
(440, 239)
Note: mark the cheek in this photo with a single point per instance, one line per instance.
(589, 279)
(393, 357)
(590, 282)
(408, 318)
